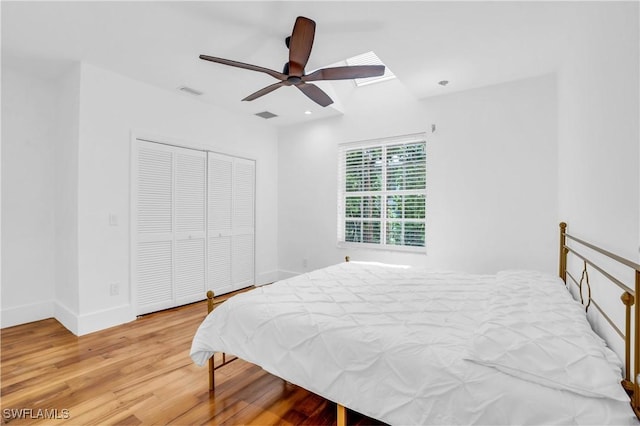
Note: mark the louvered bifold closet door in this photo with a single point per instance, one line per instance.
(231, 188)
(242, 244)
(220, 200)
(191, 233)
(170, 212)
(154, 260)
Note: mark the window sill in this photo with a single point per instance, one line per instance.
(380, 247)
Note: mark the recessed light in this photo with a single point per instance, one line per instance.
(443, 82)
(307, 112)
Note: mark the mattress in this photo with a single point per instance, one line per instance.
(411, 346)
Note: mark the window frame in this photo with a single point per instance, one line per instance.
(384, 193)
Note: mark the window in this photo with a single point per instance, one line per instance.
(370, 58)
(382, 193)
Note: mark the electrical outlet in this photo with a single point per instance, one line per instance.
(114, 289)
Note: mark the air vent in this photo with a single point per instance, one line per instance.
(190, 91)
(266, 115)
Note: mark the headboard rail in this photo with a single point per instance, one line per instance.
(624, 261)
(631, 335)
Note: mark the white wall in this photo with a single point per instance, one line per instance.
(492, 177)
(492, 196)
(28, 148)
(599, 142)
(111, 106)
(66, 168)
(598, 127)
(65, 161)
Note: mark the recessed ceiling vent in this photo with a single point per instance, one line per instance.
(266, 115)
(190, 90)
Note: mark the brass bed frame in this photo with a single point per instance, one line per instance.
(568, 244)
(631, 335)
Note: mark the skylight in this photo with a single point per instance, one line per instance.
(370, 58)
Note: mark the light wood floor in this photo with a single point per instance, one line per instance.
(141, 373)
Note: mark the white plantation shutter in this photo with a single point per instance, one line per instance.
(382, 193)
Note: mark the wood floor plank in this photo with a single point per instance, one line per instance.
(140, 373)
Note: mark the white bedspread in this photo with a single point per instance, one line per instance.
(408, 346)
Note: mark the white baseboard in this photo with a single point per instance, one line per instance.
(106, 318)
(94, 321)
(267, 277)
(26, 313)
(66, 317)
(283, 275)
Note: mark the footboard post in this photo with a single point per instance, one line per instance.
(635, 400)
(563, 252)
(341, 418)
(212, 382)
(628, 301)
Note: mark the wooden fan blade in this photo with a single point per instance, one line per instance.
(300, 45)
(264, 91)
(276, 74)
(315, 93)
(345, 73)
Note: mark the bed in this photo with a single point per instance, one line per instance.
(412, 346)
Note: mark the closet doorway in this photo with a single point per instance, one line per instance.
(193, 224)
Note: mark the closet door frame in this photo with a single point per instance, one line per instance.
(136, 136)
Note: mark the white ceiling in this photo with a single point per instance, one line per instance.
(471, 44)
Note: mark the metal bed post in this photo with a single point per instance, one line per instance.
(635, 401)
(211, 305)
(341, 419)
(563, 252)
(212, 381)
(628, 300)
(341, 415)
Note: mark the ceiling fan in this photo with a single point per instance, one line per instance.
(299, 44)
